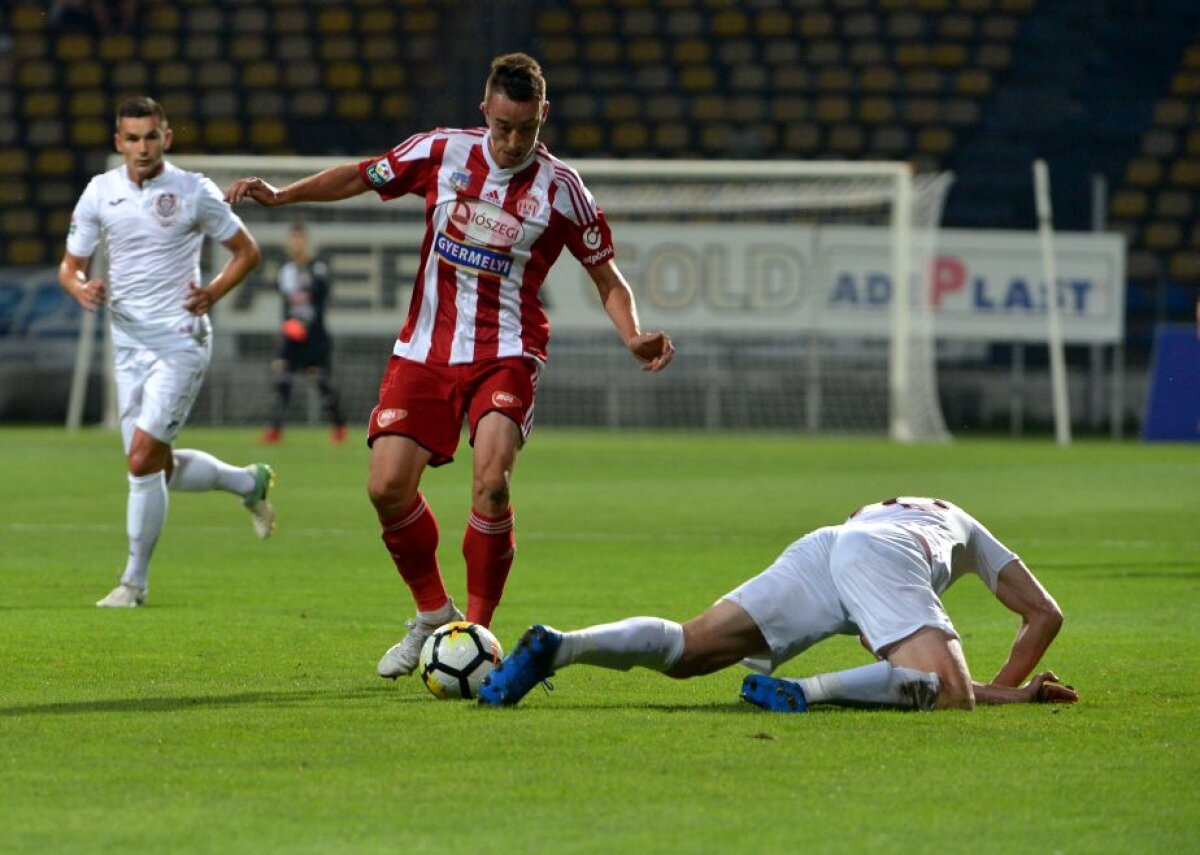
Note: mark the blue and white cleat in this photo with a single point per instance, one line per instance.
(772, 693)
(530, 663)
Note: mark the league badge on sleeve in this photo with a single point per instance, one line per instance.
(380, 172)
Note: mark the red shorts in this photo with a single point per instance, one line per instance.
(427, 403)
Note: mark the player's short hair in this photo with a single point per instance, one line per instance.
(140, 108)
(518, 76)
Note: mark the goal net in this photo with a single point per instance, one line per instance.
(797, 293)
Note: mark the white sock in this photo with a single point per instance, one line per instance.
(442, 616)
(199, 470)
(648, 642)
(878, 684)
(144, 517)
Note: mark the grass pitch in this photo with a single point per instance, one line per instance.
(240, 712)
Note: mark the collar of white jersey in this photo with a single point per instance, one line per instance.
(167, 167)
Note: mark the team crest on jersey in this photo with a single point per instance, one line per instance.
(380, 172)
(527, 206)
(166, 206)
(390, 416)
(505, 399)
(460, 181)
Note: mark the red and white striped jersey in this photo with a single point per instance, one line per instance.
(491, 236)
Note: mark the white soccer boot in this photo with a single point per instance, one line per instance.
(262, 512)
(124, 596)
(401, 658)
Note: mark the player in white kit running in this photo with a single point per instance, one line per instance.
(878, 575)
(153, 218)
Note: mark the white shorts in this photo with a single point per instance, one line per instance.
(156, 389)
(843, 580)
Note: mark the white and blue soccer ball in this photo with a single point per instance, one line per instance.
(456, 657)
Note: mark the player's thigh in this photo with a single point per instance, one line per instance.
(883, 579)
(504, 386)
(723, 635)
(421, 403)
(934, 651)
(170, 390)
(497, 441)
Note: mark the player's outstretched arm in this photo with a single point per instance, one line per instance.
(1041, 620)
(654, 349)
(330, 185)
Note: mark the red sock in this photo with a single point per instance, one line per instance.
(412, 540)
(488, 546)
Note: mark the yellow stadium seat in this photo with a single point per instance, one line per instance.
(816, 24)
(555, 22)
(716, 138)
(310, 103)
(20, 221)
(880, 78)
(173, 75)
(42, 104)
(993, 56)
(74, 46)
(698, 78)
(340, 49)
(89, 103)
(596, 22)
(630, 136)
(924, 81)
(846, 139)
(55, 161)
(387, 76)
(602, 51)
(260, 75)
(246, 48)
(395, 106)
(773, 22)
(645, 50)
(14, 162)
(562, 49)
(999, 28)
(1186, 83)
(28, 18)
(36, 74)
(223, 134)
(1162, 235)
(1191, 56)
(585, 136)
(792, 78)
(832, 108)
(802, 137)
(877, 109)
(1185, 172)
(89, 133)
(956, 28)
(159, 47)
(1173, 204)
(355, 105)
(335, 20)
(1185, 266)
(1143, 172)
(344, 75)
(730, 23)
(936, 140)
(836, 79)
(864, 53)
(672, 137)
(30, 46)
(162, 18)
(83, 73)
(216, 75)
(690, 51)
(1173, 112)
(1129, 204)
(26, 251)
(116, 48)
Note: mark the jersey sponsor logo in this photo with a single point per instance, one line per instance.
(591, 237)
(470, 257)
(460, 181)
(380, 172)
(505, 399)
(390, 416)
(486, 224)
(166, 206)
(597, 257)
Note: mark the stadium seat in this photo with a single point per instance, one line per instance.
(116, 48)
(219, 103)
(340, 49)
(173, 75)
(159, 47)
(41, 104)
(223, 134)
(602, 51)
(937, 141)
(91, 133)
(355, 105)
(216, 75)
(1160, 236)
(88, 103)
(1173, 204)
(1185, 172)
(1143, 172)
(55, 162)
(848, 140)
(26, 251)
(396, 106)
(1185, 266)
(74, 46)
(1173, 112)
(630, 137)
(1129, 204)
(83, 73)
(162, 18)
(802, 138)
(42, 133)
(14, 162)
(27, 19)
(260, 75)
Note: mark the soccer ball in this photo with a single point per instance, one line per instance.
(456, 657)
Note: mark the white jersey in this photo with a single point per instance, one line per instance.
(957, 542)
(153, 236)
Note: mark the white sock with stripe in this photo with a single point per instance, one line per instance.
(646, 642)
(145, 514)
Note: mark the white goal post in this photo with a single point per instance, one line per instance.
(798, 292)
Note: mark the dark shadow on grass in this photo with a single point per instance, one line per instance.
(176, 704)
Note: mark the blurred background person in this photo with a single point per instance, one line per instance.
(304, 342)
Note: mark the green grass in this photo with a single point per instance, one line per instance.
(239, 711)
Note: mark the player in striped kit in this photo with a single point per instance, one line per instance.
(500, 209)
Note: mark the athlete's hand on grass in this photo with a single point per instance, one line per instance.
(1045, 689)
(654, 350)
